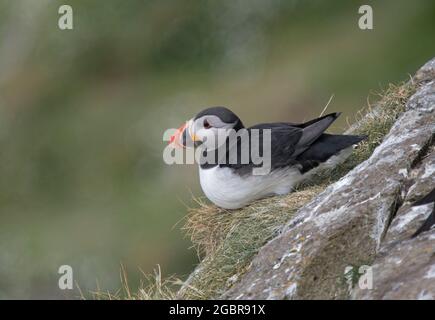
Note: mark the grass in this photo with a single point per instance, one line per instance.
(373, 121)
(151, 287)
(228, 240)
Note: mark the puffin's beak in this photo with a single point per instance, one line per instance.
(182, 136)
(177, 139)
(190, 132)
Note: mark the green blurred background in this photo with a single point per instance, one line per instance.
(83, 111)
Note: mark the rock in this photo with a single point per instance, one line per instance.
(426, 72)
(365, 218)
(405, 267)
(408, 218)
(405, 271)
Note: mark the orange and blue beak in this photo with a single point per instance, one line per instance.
(184, 137)
(178, 138)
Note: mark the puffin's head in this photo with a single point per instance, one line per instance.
(207, 125)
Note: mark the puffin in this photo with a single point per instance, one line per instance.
(297, 151)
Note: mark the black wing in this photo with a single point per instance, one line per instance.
(288, 141)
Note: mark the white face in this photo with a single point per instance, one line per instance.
(209, 130)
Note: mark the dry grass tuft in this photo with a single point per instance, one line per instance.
(208, 226)
(374, 121)
(151, 287)
(229, 239)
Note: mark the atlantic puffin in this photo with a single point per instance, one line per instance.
(297, 151)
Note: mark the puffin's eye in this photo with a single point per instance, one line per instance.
(206, 124)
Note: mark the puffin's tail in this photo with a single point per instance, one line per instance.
(316, 147)
(326, 146)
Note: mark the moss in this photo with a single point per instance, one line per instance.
(228, 240)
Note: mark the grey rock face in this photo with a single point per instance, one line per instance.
(405, 267)
(365, 218)
(409, 218)
(404, 271)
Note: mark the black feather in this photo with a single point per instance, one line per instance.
(225, 114)
(313, 130)
(303, 145)
(325, 147)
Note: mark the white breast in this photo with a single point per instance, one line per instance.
(230, 191)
